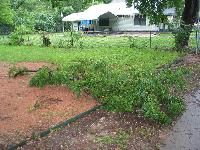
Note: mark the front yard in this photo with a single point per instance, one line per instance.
(135, 84)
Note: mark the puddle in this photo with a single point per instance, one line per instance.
(186, 133)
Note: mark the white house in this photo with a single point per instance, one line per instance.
(115, 16)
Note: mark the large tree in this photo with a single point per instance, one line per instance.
(187, 9)
(189, 17)
(6, 14)
(76, 4)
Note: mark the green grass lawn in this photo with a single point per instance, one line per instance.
(141, 59)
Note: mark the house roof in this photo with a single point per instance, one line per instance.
(118, 8)
(73, 17)
(95, 11)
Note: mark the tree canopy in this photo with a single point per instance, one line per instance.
(42, 15)
(6, 12)
(154, 8)
(186, 9)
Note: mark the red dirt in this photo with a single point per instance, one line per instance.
(25, 110)
(34, 66)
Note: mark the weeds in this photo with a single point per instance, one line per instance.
(36, 106)
(76, 40)
(46, 40)
(120, 139)
(17, 71)
(146, 132)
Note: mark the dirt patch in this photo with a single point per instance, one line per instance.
(25, 110)
(103, 130)
(191, 61)
(35, 66)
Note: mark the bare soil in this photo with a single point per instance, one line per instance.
(84, 134)
(26, 110)
(191, 61)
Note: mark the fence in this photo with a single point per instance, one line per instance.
(140, 40)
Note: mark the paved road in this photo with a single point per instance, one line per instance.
(186, 133)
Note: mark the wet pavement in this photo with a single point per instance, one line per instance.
(186, 133)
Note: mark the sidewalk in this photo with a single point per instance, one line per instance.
(186, 133)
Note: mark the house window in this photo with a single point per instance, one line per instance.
(104, 22)
(140, 20)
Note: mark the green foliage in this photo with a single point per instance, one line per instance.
(182, 35)
(60, 40)
(146, 132)
(122, 56)
(73, 38)
(175, 107)
(46, 40)
(17, 71)
(151, 110)
(122, 90)
(153, 9)
(44, 21)
(41, 78)
(68, 40)
(138, 42)
(43, 15)
(16, 38)
(120, 139)
(6, 12)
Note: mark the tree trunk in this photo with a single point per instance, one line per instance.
(190, 13)
(189, 17)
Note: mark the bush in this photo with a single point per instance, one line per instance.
(46, 40)
(16, 39)
(121, 90)
(68, 40)
(73, 38)
(182, 35)
(41, 78)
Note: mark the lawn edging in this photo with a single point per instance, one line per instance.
(56, 127)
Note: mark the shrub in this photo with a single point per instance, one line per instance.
(16, 39)
(73, 38)
(46, 40)
(60, 43)
(121, 90)
(182, 35)
(17, 71)
(41, 78)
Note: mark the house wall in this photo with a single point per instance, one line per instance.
(120, 24)
(127, 24)
(112, 19)
(75, 26)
